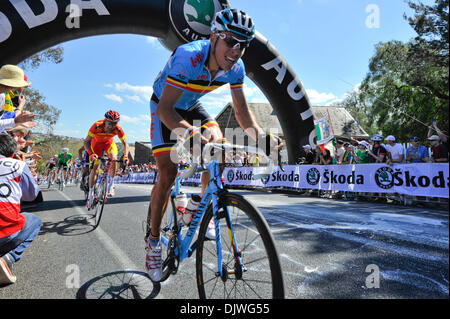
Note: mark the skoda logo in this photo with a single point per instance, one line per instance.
(265, 180)
(313, 176)
(230, 176)
(192, 18)
(384, 177)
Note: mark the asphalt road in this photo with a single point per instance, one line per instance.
(328, 249)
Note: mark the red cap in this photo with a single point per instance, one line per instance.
(26, 79)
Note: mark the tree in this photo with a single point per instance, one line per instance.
(49, 145)
(47, 115)
(407, 83)
(51, 55)
(355, 104)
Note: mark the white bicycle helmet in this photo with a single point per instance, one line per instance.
(65, 150)
(235, 21)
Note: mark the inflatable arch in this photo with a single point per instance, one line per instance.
(30, 26)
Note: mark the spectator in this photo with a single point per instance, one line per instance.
(12, 83)
(255, 161)
(309, 155)
(18, 133)
(396, 151)
(24, 118)
(237, 160)
(361, 156)
(378, 153)
(245, 161)
(17, 229)
(439, 151)
(12, 78)
(442, 135)
(339, 152)
(417, 153)
(325, 157)
(347, 157)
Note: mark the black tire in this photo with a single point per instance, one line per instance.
(102, 195)
(49, 179)
(251, 231)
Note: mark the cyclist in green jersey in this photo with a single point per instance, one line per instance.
(64, 159)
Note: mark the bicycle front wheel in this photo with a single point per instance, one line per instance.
(250, 267)
(101, 195)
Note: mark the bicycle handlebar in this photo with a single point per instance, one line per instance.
(198, 164)
(103, 158)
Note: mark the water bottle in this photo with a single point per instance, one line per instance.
(181, 202)
(191, 208)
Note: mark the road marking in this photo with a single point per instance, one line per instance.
(125, 262)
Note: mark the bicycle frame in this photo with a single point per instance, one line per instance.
(104, 167)
(215, 187)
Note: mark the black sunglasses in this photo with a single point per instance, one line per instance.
(234, 43)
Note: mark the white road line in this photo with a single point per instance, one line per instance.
(107, 241)
(125, 262)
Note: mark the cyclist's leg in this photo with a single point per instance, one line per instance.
(217, 137)
(167, 172)
(112, 152)
(85, 167)
(162, 148)
(93, 174)
(65, 171)
(58, 165)
(97, 149)
(209, 128)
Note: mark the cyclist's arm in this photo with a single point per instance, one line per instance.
(126, 147)
(166, 111)
(244, 116)
(87, 143)
(80, 152)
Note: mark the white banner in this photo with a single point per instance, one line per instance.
(139, 178)
(429, 179)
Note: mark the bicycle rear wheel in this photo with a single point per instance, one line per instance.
(261, 275)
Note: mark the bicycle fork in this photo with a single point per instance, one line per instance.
(239, 268)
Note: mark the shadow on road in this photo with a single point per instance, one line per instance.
(71, 226)
(126, 284)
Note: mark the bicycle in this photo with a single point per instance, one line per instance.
(100, 188)
(50, 177)
(245, 255)
(60, 179)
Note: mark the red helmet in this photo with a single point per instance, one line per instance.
(112, 116)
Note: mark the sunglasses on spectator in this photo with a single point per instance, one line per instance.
(234, 43)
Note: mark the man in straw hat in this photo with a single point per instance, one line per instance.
(12, 78)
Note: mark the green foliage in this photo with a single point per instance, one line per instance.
(49, 145)
(47, 115)
(407, 83)
(51, 55)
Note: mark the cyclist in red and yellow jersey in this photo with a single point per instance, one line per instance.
(101, 139)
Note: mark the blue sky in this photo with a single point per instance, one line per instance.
(326, 42)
